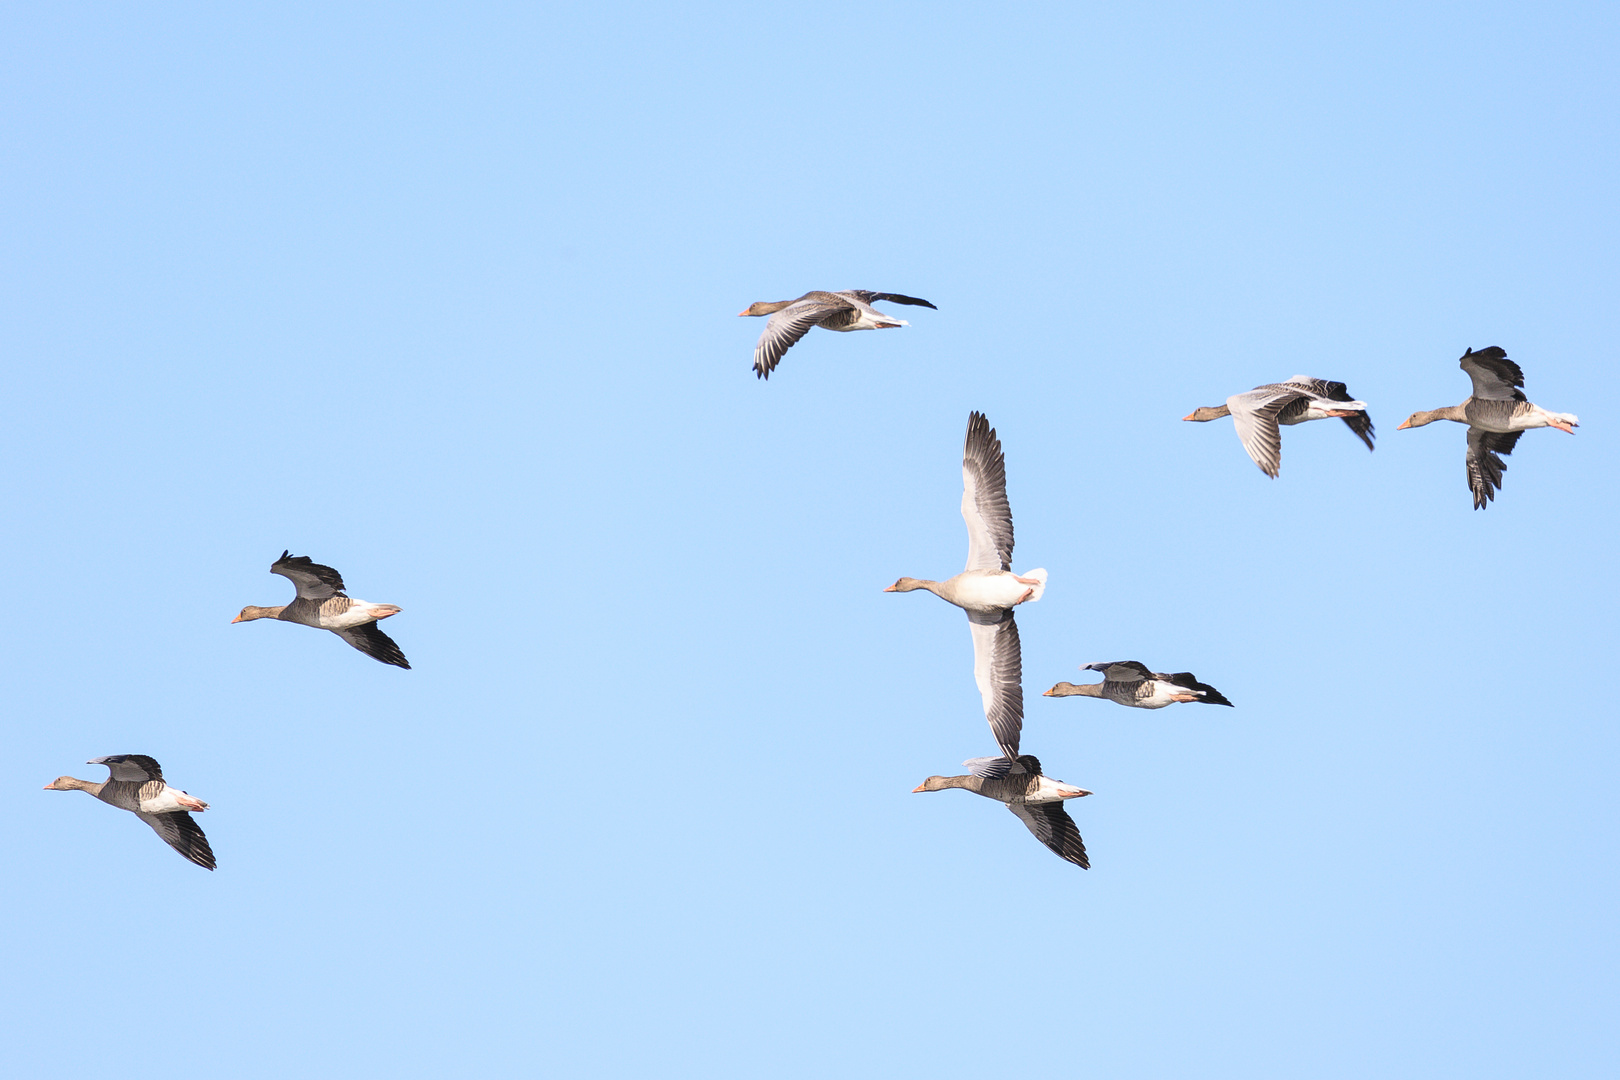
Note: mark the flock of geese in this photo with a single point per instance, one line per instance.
(987, 589)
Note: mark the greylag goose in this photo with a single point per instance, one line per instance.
(1129, 682)
(1257, 414)
(1037, 800)
(321, 603)
(1496, 414)
(136, 784)
(988, 590)
(790, 320)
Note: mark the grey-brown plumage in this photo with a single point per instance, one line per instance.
(1034, 799)
(790, 320)
(1131, 683)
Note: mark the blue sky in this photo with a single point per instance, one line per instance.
(444, 297)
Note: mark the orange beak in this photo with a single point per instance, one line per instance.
(1046, 693)
(1403, 424)
(741, 313)
(1189, 416)
(237, 619)
(914, 790)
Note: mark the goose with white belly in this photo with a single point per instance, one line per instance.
(1130, 683)
(135, 783)
(1257, 414)
(1034, 799)
(1497, 413)
(322, 603)
(988, 590)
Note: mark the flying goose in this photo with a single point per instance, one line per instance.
(842, 311)
(136, 784)
(1257, 414)
(988, 590)
(1129, 682)
(1036, 799)
(321, 603)
(1496, 414)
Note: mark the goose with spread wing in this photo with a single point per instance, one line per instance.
(1129, 682)
(1258, 413)
(843, 311)
(321, 603)
(1036, 800)
(136, 784)
(1496, 413)
(988, 590)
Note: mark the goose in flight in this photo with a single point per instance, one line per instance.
(322, 603)
(1036, 800)
(1257, 414)
(790, 320)
(1129, 682)
(136, 784)
(1496, 413)
(988, 590)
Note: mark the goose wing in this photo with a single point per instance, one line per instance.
(784, 328)
(1121, 670)
(1495, 377)
(1254, 415)
(866, 296)
(130, 768)
(369, 639)
(1053, 827)
(183, 834)
(984, 498)
(1001, 765)
(313, 581)
(1359, 422)
(1211, 696)
(1485, 468)
(998, 668)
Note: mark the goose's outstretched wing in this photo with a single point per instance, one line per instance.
(313, 581)
(784, 328)
(1485, 468)
(1254, 415)
(183, 834)
(866, 296)
(998, 668)
(1495, 377)
(369, 639)
(1211, 696)
(984, 498)
(1053, 826)
(130, 768)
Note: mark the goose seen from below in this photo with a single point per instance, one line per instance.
(1257, 415)
(136, 784)
(321, 603)
(1496, 413)
(988, 590)
(843, 311)
(1036, 800)
(1129, 682)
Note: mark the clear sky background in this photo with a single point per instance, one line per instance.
(444, 296)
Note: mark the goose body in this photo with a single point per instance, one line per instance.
(1130, 683)
(988, 590)
(1034, 799)
(843, 311)
(135, 783)
(322, 603)
(1259, 415)
(1497, 413)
